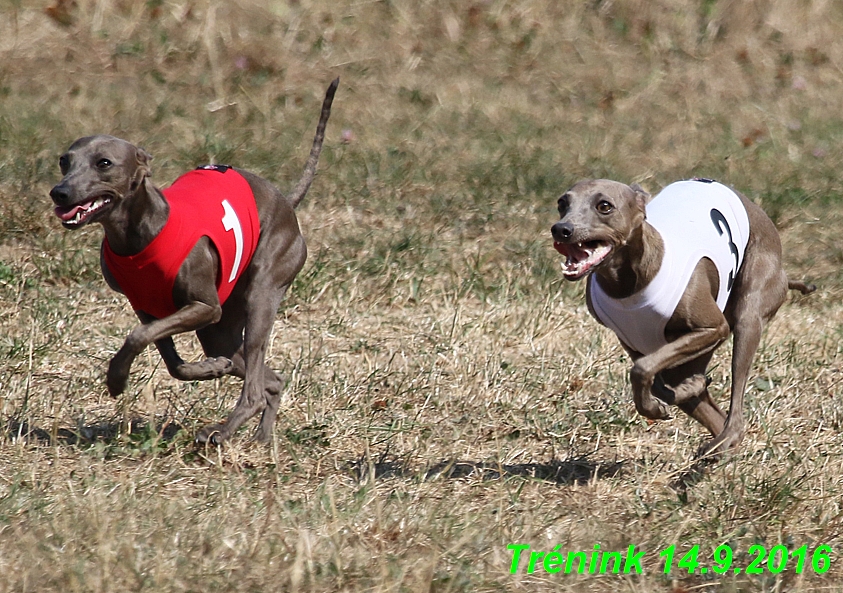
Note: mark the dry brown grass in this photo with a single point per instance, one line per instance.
(449, 395)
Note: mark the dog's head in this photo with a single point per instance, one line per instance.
(98, 173)
(596, 218)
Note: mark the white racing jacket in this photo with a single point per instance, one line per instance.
(696, 219)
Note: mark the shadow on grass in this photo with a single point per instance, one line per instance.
(569, 471)
(107, 432)
(692, 476)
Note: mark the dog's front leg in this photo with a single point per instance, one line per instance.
(203, 370)
(747, 337)
(684, 349)
(189, 318)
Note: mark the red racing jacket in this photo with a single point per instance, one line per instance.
(212, 201)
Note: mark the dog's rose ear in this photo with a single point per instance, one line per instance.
(143, 170)
(144, 158)
(642, 196)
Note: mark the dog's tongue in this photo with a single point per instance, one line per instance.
(571, 251)
(68, 212)
(580, 258)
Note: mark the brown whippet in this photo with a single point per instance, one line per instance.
(106, 180)
(673, 276)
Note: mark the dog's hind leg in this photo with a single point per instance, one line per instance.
(272, 393)
(247, 332)
(747, 336)
(273, 385)
(763, 286)
(268, 393)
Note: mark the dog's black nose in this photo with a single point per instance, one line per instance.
(60, 195)
(562, 230)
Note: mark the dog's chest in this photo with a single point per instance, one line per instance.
(216, 203)
(695, 220)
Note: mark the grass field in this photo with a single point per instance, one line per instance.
(449, 394)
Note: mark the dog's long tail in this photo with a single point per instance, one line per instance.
(801, 286)
(310, 167)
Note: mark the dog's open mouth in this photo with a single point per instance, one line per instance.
(581, 257)
(78, 214)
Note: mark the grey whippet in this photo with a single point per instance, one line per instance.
(618, 234)
(106, 180)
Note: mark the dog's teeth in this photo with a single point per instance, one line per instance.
(84, 213)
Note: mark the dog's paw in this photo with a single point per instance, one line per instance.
(691, 387)
(210, 368)
(650, 407)
(714, 449)
(262, 435)
(709, 452)
(264, 432)
(213, 434)
(658, 411)
(220, 365)
(117, 378)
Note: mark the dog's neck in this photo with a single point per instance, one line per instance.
(633, 265)
(136, 220)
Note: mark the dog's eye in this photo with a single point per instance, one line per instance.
(64, 164)
(604, 207)
(103, 164)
